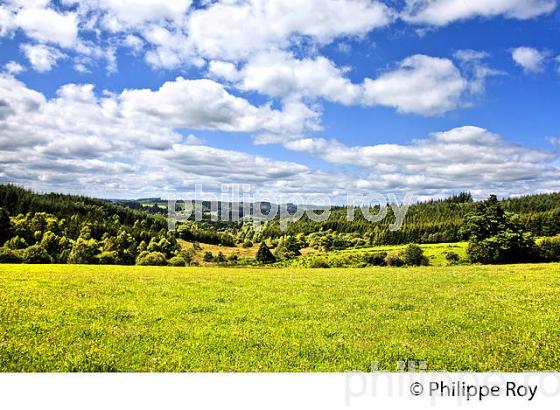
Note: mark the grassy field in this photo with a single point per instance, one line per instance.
(99, 318)
(435, 252)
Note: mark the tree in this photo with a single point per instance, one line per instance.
(5, 226)
(84, 251)
(36, 254)
(151, 259)
(496, 237)
(413, 255)
(549, 249)
(187, 255)
(264, 255)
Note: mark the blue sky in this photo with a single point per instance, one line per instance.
(322, 97)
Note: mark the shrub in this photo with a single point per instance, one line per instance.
(8, 255)
(208, 257)
(318, 263)
(220, 258)
(549, 249)
(151, 259)
(36, 254)
(375, 259)
(393, 259)
(177, 261)
(413, 255)
(232, 259)
(108, 258)
(187, 255)
(452, 258)
(247, 244)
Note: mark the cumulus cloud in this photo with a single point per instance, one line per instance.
(444, 12)
(43, 140)
(123, 14)
(205, 104)
(279, 74)
(469, 157)
(530, 59)
(13, 68)
(215, 31)
(421, 85)
(48, 26)
(41, 57)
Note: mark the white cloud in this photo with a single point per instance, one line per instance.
(443, 12)
(472, 62)
(223, 70)
(557, 59)
(78, 141)
(42, 58)
(530, 59)
(205, 104)
(462, 158)
(216, 33)
(135, 43)
(13, 68)
(129, 13)
(554, 141)
(421, 85)
(48, 26)
(279, 74)
(6, 21)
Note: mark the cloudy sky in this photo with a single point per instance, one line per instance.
(131, 98)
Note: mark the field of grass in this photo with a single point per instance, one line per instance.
(110, 318)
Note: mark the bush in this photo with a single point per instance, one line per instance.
(8, 255)
(549, 249)
(208, 257)
(393, 259)
(375, 259)
(319, 263)
(220, 258)
(413, 255)
(151, 259)
(177, 261)
(247, 244)
(452, 258)
(108, 258)
(36, 254)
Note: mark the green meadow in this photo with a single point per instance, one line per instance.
(115, 318)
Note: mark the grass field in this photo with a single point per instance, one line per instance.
(99, 318)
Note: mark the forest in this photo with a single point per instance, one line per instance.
(57, 228)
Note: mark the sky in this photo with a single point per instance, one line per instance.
(307, 98)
